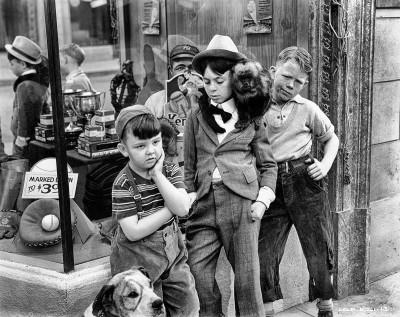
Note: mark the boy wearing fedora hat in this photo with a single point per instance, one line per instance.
(230, 175)
(30, 91)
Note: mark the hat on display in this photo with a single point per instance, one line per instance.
(183, 51)
(25, 49)
(127, 114)
(220, 46)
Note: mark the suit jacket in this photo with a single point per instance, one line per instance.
(30, 95)
(238, 157)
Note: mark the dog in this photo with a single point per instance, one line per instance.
(251, 85)
(127, 294)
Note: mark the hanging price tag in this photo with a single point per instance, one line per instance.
(45, 185)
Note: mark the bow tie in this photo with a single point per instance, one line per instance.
(226, 116)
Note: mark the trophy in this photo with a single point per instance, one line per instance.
(88, 102)
(69, 101)
(72, 131)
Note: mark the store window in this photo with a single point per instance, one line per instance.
(88, 62)
(131, 52)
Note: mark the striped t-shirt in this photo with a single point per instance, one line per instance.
(123, 204)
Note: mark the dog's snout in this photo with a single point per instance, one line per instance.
(157, 304)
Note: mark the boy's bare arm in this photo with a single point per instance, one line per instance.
(319, 170)
(135, 229)
(176, 199)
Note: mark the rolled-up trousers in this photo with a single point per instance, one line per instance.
(302, 202)
(223, 219)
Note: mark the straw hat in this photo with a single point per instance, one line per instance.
(220, 46)
(25, 49)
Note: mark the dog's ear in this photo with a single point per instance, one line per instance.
(143, 270)
(103, 300)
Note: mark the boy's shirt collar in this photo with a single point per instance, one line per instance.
(277, 115)
(74, 73)
(27, 72)
(228, 106)
(25, 76)
(298, 99)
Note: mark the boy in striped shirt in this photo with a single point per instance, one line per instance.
(147, 196)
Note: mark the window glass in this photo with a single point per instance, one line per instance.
(113, 54)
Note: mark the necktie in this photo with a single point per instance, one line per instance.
(226, 116)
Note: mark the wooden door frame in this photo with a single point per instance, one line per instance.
(341, 83)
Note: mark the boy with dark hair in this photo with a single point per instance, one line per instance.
(230, 175)
(301, 200)
(147, 196)
(71, 58)
(30, 91)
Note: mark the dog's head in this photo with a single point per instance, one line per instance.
(128, 294)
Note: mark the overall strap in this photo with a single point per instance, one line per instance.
(136, 195)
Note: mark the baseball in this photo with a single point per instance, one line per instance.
(50, 222)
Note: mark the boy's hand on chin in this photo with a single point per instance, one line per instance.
(157, 168)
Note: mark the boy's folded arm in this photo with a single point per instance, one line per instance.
(175, 198)
(135, 229)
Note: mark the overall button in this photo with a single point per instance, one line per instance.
(209, 173)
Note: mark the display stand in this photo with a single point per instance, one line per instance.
(80, 164)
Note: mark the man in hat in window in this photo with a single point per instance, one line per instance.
(30, 91)
(180, 60)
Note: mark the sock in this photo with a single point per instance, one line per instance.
(269, 307)
(325, 305)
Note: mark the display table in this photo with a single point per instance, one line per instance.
(100, 168)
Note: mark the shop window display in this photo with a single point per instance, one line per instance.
(135, 52)
(126, 64)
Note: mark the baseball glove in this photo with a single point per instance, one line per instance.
(9, 223)
(31, 231)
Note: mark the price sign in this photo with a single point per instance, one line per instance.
(45, 185)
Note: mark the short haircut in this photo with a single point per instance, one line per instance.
(298, 55)
(75, 51)
(145, 126)
(217, 65)
(11, 57)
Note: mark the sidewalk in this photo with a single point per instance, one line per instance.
(383, 300)
(96, 68)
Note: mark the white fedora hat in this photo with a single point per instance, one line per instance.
(25, 49)
(220, 46)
